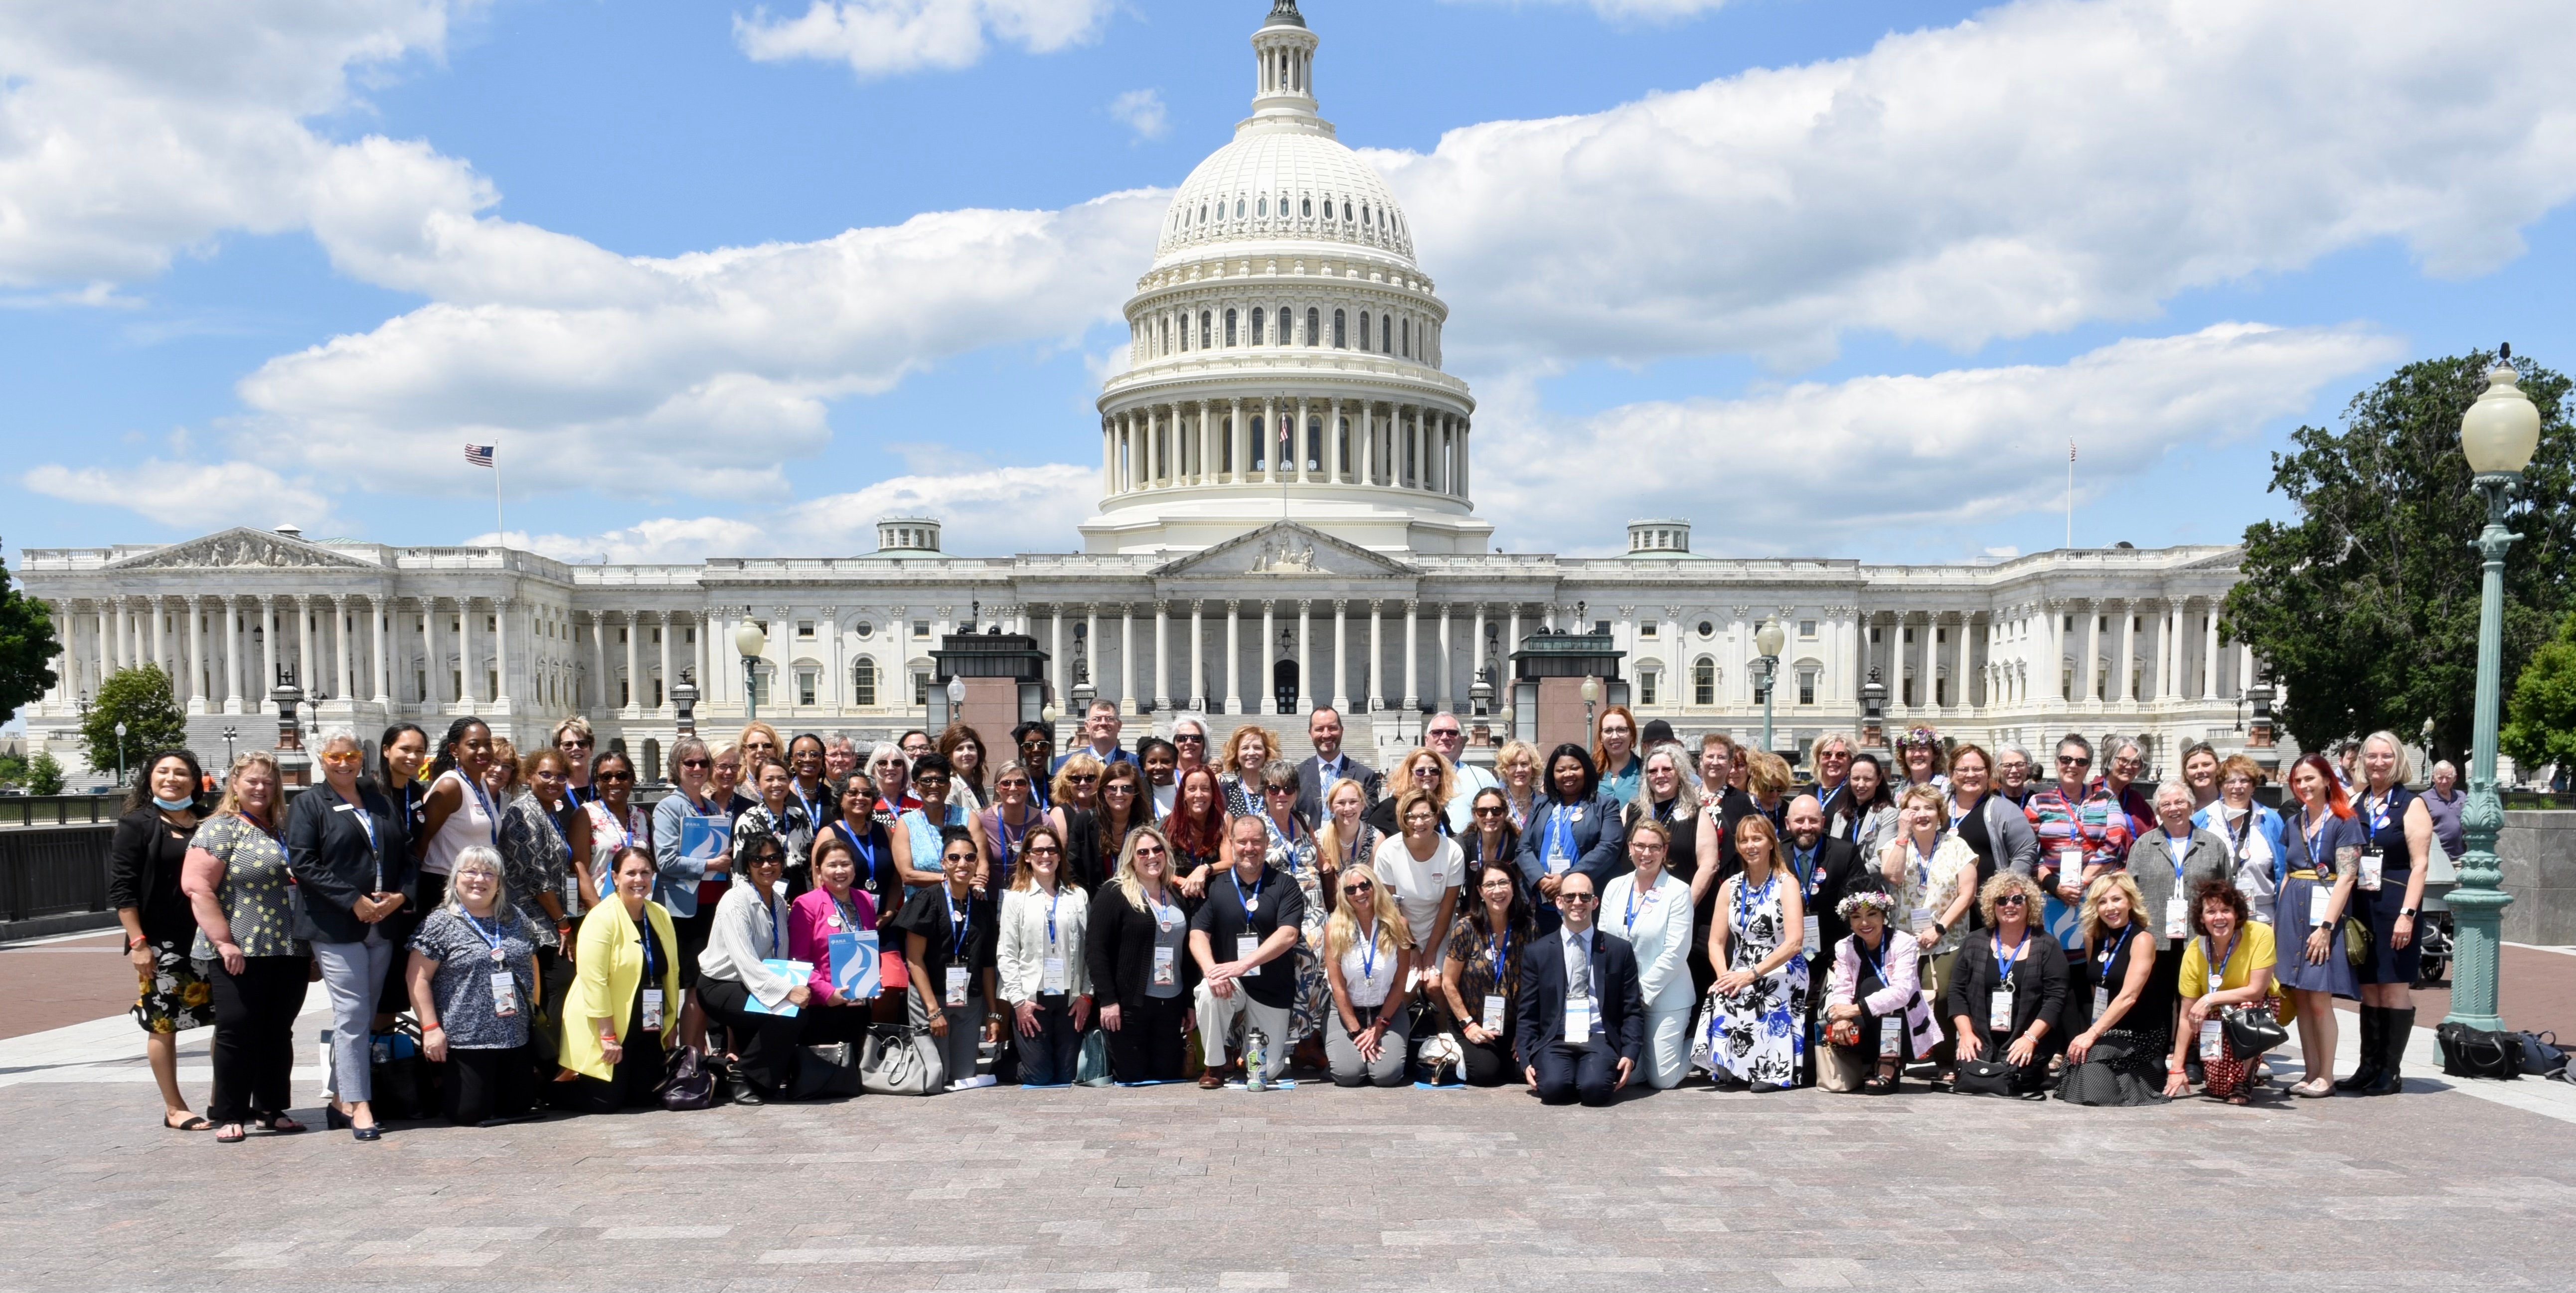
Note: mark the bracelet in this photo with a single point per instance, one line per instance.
(136, 943)
(431, 1028)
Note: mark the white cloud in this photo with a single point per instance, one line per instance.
(2046, 164)
(1897, 456)
(1625, 10)
(191, 495)
(886, 37)
(999, 511)
(1142, 111)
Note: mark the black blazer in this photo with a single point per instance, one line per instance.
(1311, 787)
(1118, 945)
(1845, 869)
(327, 850)
(1542, 996)
(2039, 983)
(141, 859)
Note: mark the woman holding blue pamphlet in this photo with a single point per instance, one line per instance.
(693, 848)
(1045, 978)
(833, 927)
(745, 980)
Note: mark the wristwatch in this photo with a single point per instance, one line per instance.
(1940, 929)
(2408, 912)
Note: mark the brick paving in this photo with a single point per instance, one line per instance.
(1316, 1188)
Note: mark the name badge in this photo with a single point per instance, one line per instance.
(2372, 863)
(2209, 1036)
(652, 1022)
(956, 995)
(1246, 947)
(2177, 917)
(1891, 1037)
(2070, 865)
(1163, 972)
(1815, 937)
(1493, 1012)
(1578, 1020)
(1999, 1011)
(2101, 1001)
(1051, 975)
(505, 994)
(1557, 861)
(2217, 977)
(1918, 920)
(2320, 899)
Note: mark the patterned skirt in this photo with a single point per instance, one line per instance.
(1760, 1034)
(174, 997)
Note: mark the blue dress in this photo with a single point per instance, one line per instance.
(2385, 823)
(2290, 913)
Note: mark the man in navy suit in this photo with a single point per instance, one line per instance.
(1582, 1022)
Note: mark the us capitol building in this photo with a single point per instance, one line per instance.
(1286, 519)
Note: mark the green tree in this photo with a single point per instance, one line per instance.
(27, 648)
(2366, 606)
(2540, 722)
(13, 769)
(141, 699)
(45, 775)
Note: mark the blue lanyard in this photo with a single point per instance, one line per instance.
(652, 950)
(2218, 968)
(1636, 898)
(958, 924)
(499, 930)
(2127, 932)
(1745, 902)
(1808, 879)
(1052, 897)
(1878, 957)
(1010, 842)
(1368, 953)
(1499, 947)
(2379, 811)
(2004, 964)
(770, 909)
(1560, 833)
(813, 814)
(865, 854)
(491, 815)
(2180, 849)
(2315, 836)
(1248, 903)
(849, 913)
(1825, 800)
(1287, 842)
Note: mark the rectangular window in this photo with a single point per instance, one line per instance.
(1601, 628)
(805, 629)
(1806, 628)
(1806, 686)
(921, 686)
(1905, 695)
(1646, 630)
(863, 686)
(1909, 636)
(657, 693)
(1704, 686)
(1646, 687)
(921, 628)
(625, 692)
(1873, 635)
(1940, 691)
(805, 686)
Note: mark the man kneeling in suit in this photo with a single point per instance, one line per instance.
(1582, 1021)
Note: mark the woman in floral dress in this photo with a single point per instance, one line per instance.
(1757, 1033)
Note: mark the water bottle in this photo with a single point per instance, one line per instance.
(1256, 1059)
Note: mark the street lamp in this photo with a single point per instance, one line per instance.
(1766, 669)
(2498, 436)
(1591, 695)
(120, 754)
(749, 641)
(956, 701)
(230, 734)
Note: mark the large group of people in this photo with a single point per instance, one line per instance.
(1582, 920)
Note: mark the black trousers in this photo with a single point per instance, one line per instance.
(631, 1084)
(1491, 1063)
(1148, 1045)
(428, 891)
(764, 1045)
(1566, 1073)
(481, 1085)
(254, 1046)
(824, 1025)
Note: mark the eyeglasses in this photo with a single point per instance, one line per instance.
(1358, 887)
(344, 758)
(1045, 851)
(693, 763)
(2012, 900)
(1420, 819)
(1490, 810)
(1569, 899)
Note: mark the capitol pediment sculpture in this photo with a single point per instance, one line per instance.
(242, 548)
(1291, 555)
(1286, 549)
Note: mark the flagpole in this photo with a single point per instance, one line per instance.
(501, 526)
(2070, 494)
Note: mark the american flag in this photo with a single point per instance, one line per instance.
(479, 455)
(2070, 451)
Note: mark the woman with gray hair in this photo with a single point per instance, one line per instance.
(473, 985)
(349, 848)
(692, 833)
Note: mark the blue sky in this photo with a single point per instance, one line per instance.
(1851, 273)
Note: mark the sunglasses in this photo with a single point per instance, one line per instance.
(1008, 782)
(693, 763)
(1279, 790)
(1189, 740)
(1045, 851)
(613, 776)
(574, 744)
(1149, 850)
(2013, 900)
(1490, 810)
(1358, 887)
(1123, 788)
(1572, 898)
(344, 759)
(2065, 762)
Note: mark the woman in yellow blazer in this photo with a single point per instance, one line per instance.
(624, 997)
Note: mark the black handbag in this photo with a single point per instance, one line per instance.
(405, 1084)
(2251, 1030)
(2478, 1053)
(1984, 1077)
(687, 1080)
(826, 1073)
(2541, 1054)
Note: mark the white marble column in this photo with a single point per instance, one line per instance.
(1162, 657)
(194, 694)
(2209, 657)
(343, 684)
(1476, 651)
(1061, 662)
(2088, 671)
(1305, 658)
(1412, 659)
(2128, 652)
(673, 624)
(1341, 655)
(632, 702)
(1333, 440)
(1375, 682)
(1264, 675)
(1127, 659)
(1092, 657)
(232, 655)
(1198, 656)
(1234, 647)
(469, 664)
(1441, 677)
(502, 607)
(383, 657)
(1238, 458)
(159, 610)
(1270, 440)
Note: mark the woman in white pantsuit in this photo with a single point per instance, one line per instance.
(1652, 910)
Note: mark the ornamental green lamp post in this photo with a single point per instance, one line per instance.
(1768, 642)
(2499, 435)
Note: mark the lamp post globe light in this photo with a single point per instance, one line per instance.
(1768, 640)
(1591, 696)
(2499, 434)
(750, 641)
(120, 754)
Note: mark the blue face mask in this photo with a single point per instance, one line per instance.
(173, 805)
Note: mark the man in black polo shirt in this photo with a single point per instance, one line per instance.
(1242, 938)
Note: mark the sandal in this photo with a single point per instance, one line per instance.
(232, 1134)
(1879, 1084)
(194, 1123)
(276, 1123)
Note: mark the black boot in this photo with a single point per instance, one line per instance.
(2395, 1026)
(2366, 1074)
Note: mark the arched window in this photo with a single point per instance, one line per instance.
(1366, 218)
(1166, 347)
(863, 682)
(1260, 449)
(1238, 208)
(1364, 330)
(1207, 323)
(1287, 327)
(1265, 206)
(1307, 208)
(1225, 461)
(1385, 334)
(1346, 210)
(1407, 334)
(1314, 444)
(1229, 329)
(1256, 327)
(1315, 326)
(1341, 331)
(1704, 682)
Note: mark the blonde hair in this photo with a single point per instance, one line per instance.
(2089, 919)
(1926, 792)
(744, 741)
(1125, 882)
(1060, 790)
(1233, 760)
(1441, 789)
(2405, 768)
(1392, 932)
(231, 802)
(1767, 774)
(1514, 751)
(2010, 882)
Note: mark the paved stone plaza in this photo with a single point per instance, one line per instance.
(1174, 1188)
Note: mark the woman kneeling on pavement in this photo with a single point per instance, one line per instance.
(1368, 952)
(1482, 973)
(740, 987)
(473, 982)
(625, 997)
(1875, 1006)
(2229, 964)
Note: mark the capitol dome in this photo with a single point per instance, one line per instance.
(1284, 349)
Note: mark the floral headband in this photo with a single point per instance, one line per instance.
(1919, 736)
(1872, 899)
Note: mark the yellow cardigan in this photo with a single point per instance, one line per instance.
(610, 960)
